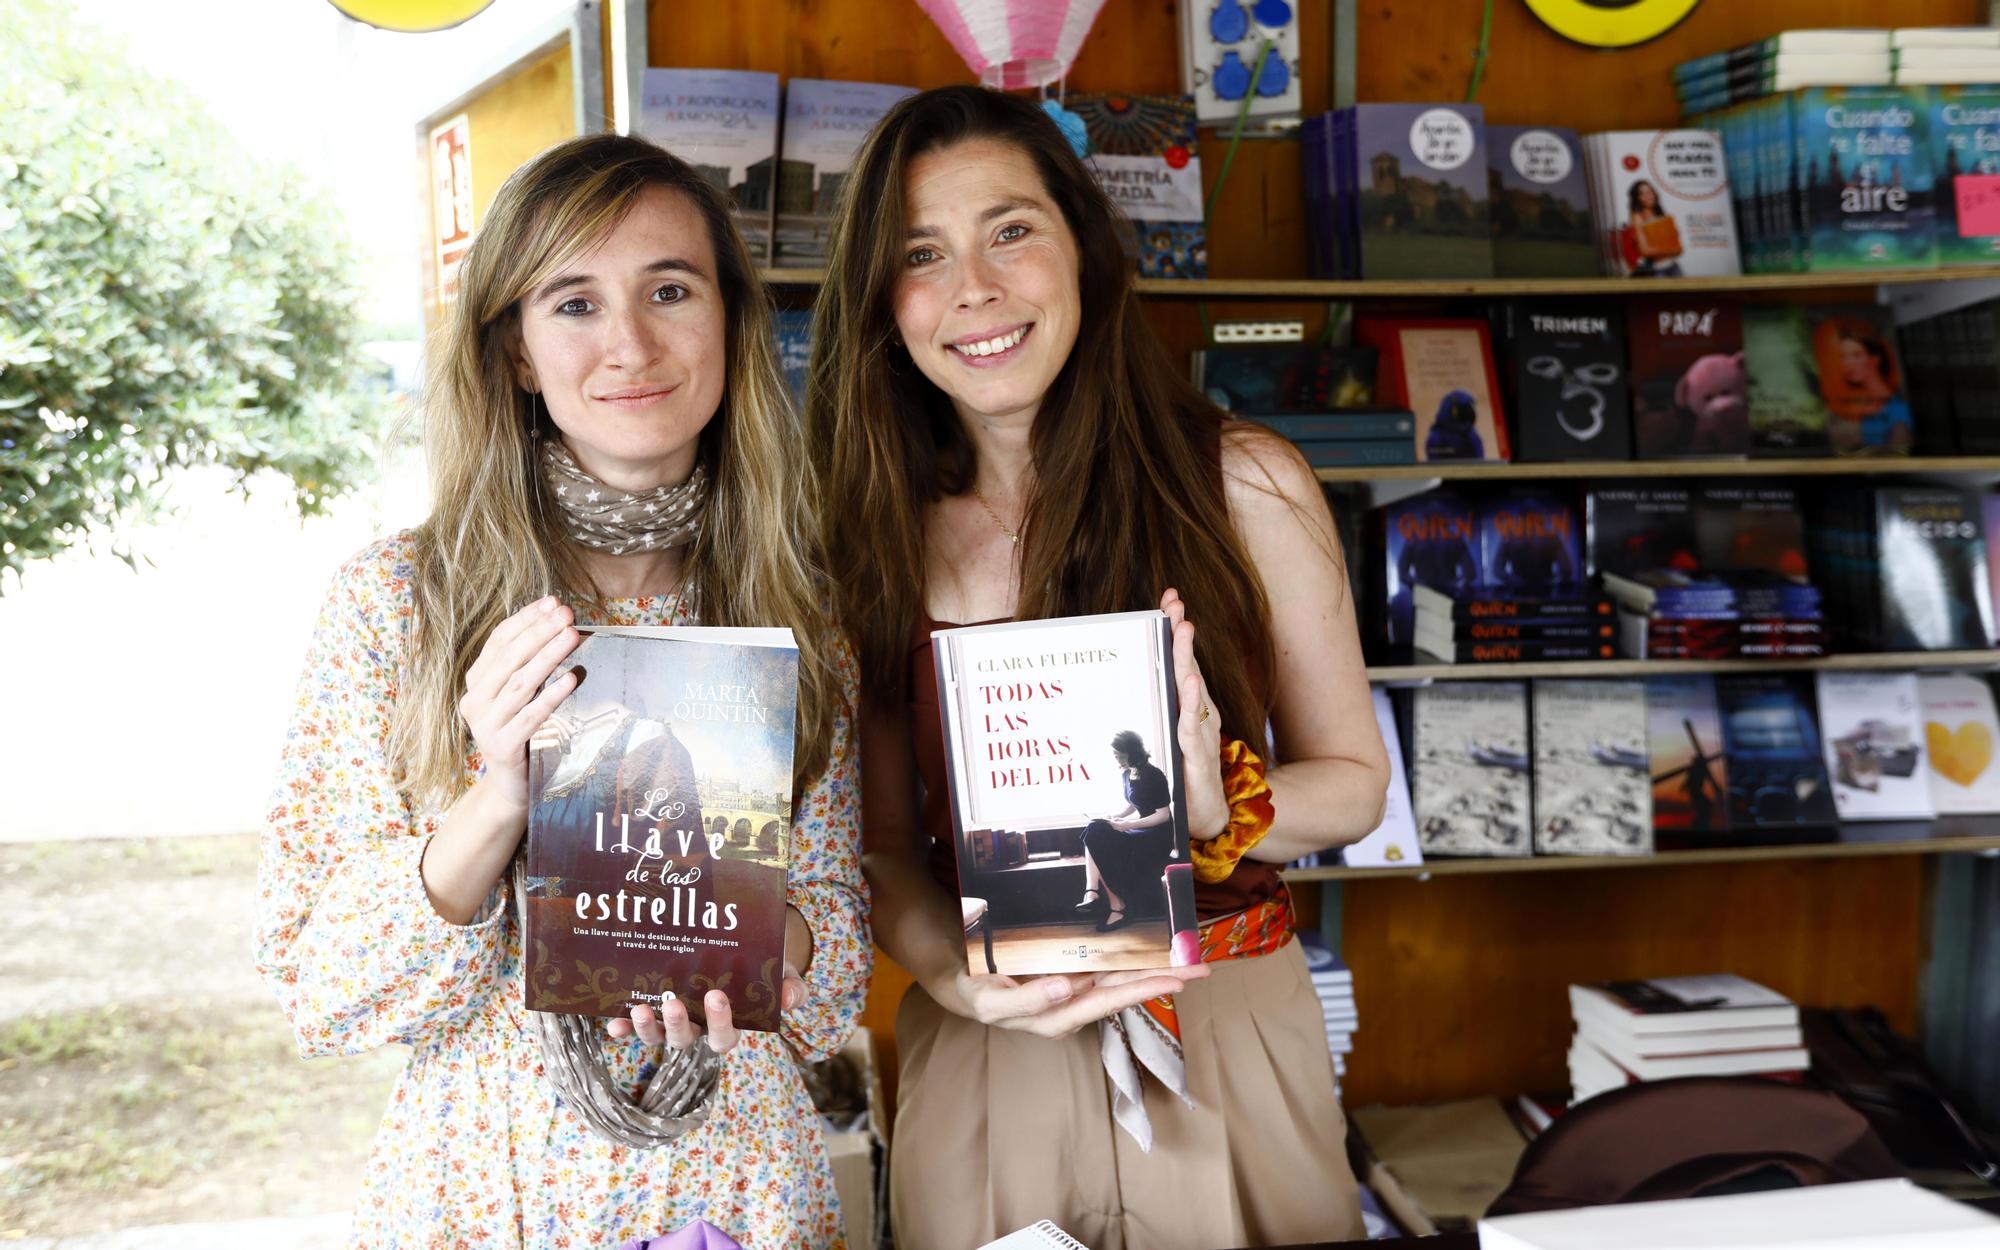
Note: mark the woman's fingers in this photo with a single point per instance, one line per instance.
(678, 1030)
(722, 1033)
(996, 1000)
(618, 1027)
(531, 717)
(525, 682)
(1099, 1001)
(646, 1023)
(512, 642)
(791, 989)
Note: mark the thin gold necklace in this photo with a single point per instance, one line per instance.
(1012, 535)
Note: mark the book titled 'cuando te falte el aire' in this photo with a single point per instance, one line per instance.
(659, 831)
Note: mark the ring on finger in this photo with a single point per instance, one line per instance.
(1204, 714)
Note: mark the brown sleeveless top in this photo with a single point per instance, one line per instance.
(1251, 883)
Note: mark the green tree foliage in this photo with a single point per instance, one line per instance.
(164, 300)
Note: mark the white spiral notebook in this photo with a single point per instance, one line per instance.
(1041, 1235)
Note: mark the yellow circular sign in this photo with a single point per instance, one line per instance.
(412, 16)
(1611, 23)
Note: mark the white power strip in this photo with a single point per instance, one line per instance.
(1260, 331)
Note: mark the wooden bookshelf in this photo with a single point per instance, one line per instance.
(1945, 834)
(1865, 661)
(1320, 290)
(1818, 466)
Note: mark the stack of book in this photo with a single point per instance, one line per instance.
(1826, 139)
(1320, 398)
(1333, 982)
(1492, 576)
(1485, 625)
(1731, 614)
(1790, 59)
(1719, 1025)
(1923, 55)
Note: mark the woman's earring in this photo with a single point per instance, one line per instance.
(534, 416)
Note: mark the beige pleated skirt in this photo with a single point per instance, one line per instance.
(997, 1129)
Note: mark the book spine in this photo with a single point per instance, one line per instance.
(1322, 454)
(1528, 609)
(1338, 427)
(1517, 631)
(1515, 652)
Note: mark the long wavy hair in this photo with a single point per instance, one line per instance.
(494, 541)
(1126, 498)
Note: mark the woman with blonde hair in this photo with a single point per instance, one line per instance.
(609, 443)
(1000, 436)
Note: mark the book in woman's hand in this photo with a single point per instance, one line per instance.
(1065, 772)
(660, 824)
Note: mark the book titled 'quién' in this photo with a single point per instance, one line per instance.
(659, 831)
(1066, 795)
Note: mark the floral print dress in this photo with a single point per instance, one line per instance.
(475, 1150)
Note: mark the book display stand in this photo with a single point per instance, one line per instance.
(1462, 964)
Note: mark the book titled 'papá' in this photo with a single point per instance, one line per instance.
(660, 827)
(1065, 775)
(1690, 390)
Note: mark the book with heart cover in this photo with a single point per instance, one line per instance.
(660, 825)
(1064, 773)
(1961, 732)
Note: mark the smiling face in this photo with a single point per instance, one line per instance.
(627, 345)
(988, 303)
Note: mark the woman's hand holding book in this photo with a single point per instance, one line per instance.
(1059, 1004)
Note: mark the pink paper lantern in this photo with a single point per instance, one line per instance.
(1015, 43)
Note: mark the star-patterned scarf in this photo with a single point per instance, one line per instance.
(615, 521)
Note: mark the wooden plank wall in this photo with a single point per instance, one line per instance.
(1460, 979)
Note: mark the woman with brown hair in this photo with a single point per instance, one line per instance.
(999, 436)
(609, 443)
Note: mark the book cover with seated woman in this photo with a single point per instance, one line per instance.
(1066, 793)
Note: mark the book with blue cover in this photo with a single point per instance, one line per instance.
(1864, 184)
(1964, 127)
(825, 123)
(1430, 540)
(1770, 731)
(724, 122)
(1531, 544)
(1540, 203)
(1144, 153)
